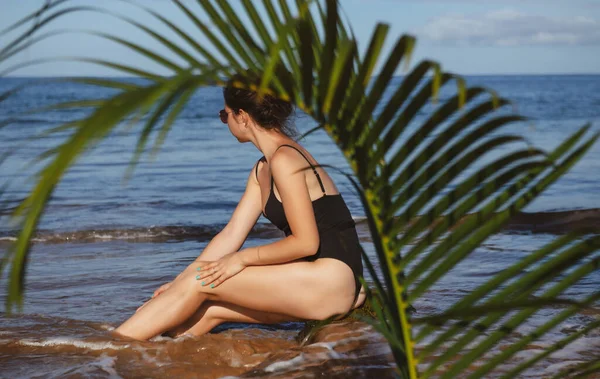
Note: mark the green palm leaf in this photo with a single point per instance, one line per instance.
(537, 334)
(428, 200)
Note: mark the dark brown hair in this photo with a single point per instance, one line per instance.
(269, 112)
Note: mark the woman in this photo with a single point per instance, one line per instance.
(310, 274)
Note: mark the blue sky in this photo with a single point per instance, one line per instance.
(466, 36)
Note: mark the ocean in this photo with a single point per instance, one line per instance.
(105, 243)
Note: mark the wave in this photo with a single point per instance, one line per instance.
(27, 121)
(72, 342)
(150, 234)
(8, 206)
(559, 222)
(49, 346)
(586, 220)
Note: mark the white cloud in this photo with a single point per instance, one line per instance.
(511, 28)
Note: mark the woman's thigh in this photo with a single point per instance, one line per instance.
(306, 290)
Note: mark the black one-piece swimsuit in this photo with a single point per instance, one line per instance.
(337, 231)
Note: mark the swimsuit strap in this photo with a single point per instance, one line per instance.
(262, 159)
(311, 165)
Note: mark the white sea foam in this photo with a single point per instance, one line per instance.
(64, 341)
(103, 236)
(160, 338)
(330, 347)
(333, 344)
(556, 367)
(108, 365)
(153, 360)
(527, 354)
(283, 365)
(575, 348)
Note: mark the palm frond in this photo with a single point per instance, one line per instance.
(429, 200)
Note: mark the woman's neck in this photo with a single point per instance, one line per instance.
(268, 141)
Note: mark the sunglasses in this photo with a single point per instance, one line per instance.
(224, 115)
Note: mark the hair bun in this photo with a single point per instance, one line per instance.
(268, 111)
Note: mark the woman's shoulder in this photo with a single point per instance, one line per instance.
(287, 159)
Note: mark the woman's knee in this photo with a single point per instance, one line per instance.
(212, 312)
(203, 321)
(190, 282)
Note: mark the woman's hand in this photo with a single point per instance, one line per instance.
(214, 273)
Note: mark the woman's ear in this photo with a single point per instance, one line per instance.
(244, 117)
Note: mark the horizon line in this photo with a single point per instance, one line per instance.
(400, 75)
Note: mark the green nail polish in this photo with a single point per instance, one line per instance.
(203, 283)
(197, 277)
(212, 286)
(198, 268)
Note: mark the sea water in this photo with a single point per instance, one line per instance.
(105, 243)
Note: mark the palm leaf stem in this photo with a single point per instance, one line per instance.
(394, 285)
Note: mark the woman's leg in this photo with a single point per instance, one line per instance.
(304, 290)
(164, 312)
(213, 313)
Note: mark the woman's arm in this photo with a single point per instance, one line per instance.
(289, 174)
(232, 237)
(289, 170)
